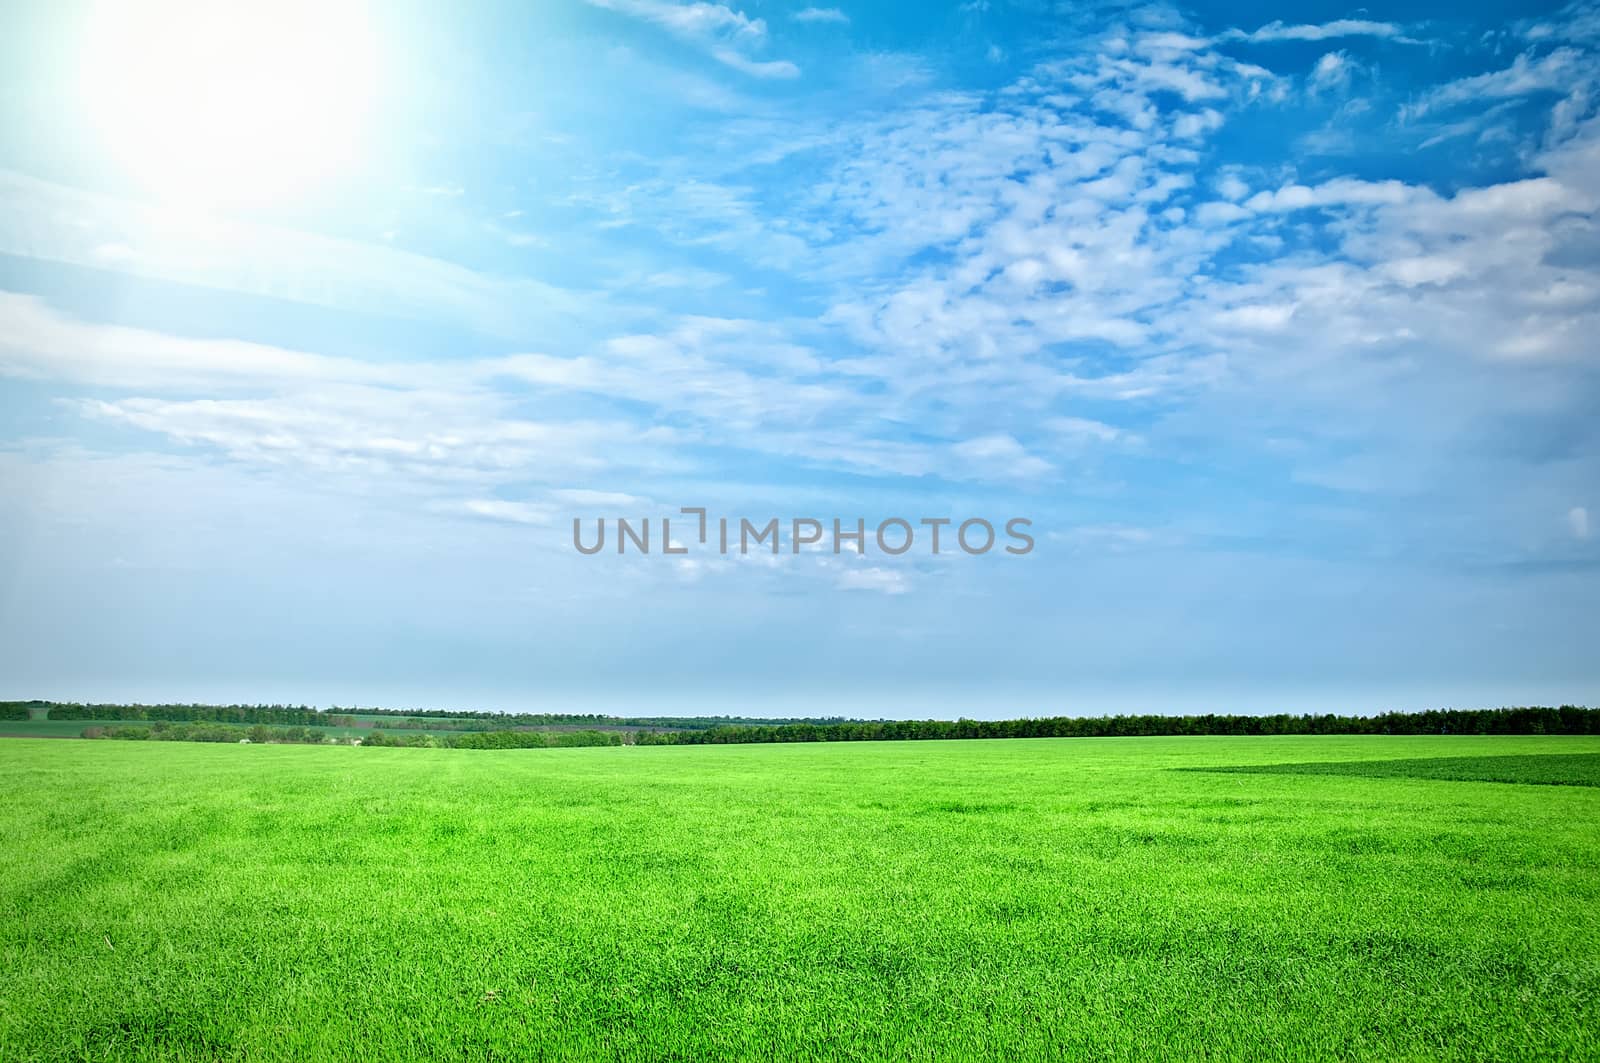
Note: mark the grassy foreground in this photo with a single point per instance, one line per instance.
(1049, 898)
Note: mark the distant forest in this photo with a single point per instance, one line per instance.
(287, 723)
(396, 719)
(163, 731)
(1566, 720)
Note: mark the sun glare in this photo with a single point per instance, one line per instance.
(213, 103)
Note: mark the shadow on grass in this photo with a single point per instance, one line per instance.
(1541, 769)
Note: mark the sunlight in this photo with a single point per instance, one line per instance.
(238, 104)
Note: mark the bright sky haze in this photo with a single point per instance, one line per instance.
(320, 322)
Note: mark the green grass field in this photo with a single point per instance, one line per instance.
(1054, 898)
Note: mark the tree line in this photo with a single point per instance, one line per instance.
(229, 723)
(207, 731)
(394, 719)
(299, 715)
(1566, 720)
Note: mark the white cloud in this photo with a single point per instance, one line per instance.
(1256, 317)
(435, 438)
(1551, 73)
(725, 34)
(757, 68)
(687, 87)
(874, 578)
(1153, 43)
(1344, 27)
(1417, 270)
(54, 223)
(1339, 192)
(1197, 124)
(1083, 428)
(1332, 73)
(1578, 522)
(688, 277)
(271, 406)
(1215, 214)
(1080, 250)
(505, 512)
(578, 496)
(821, 14)
(693, 20)
(999, 456)
(450, 420)
(1230, 187)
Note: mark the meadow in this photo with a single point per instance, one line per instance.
(1022, 899)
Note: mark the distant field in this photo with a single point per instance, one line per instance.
(41, 728)
(1037, 898)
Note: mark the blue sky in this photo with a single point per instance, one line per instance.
(1281, 332)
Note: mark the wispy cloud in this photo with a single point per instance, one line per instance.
(50, 222)
(1332, 73)
(698, 20)
(874, 578)
(821, 14)
(758, 68)
(501, 510)
(1578, 522)
(1526, 75)
(453, 419)
(728, 36)
(1344, 27)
